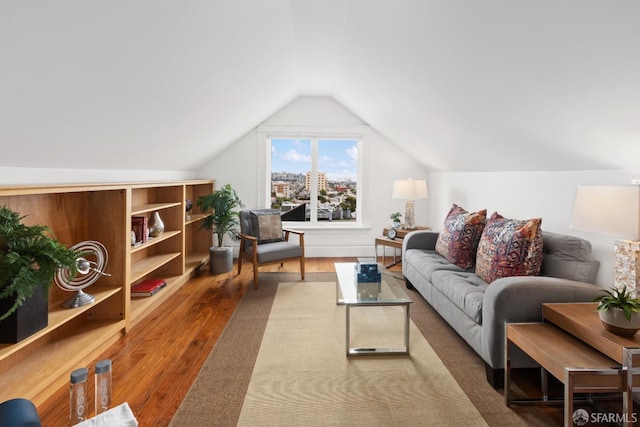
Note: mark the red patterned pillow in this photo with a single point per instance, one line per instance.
(459, 239)
(509, 247)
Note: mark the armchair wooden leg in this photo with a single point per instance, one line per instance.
(302, 268)
(255, 275)
(240, 256)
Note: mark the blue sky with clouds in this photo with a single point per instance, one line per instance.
(337, 158)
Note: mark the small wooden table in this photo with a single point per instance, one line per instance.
(396, 243)
(575, 348)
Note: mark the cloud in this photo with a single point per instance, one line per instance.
(293, 156)
(352, 152)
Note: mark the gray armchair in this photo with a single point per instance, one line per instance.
(264, 241)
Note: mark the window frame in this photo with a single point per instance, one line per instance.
(358, 133)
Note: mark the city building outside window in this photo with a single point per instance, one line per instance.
(315, 179)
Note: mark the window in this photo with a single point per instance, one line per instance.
(315, 179)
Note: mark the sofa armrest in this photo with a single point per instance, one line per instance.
(520, 299)
(420, 240)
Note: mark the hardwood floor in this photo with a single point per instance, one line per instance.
(155, 363)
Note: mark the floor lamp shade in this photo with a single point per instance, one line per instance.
(613, 210)
(410, 190)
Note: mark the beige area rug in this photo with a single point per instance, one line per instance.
(217, 395)
(303, 377)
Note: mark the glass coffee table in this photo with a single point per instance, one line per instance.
(391, 293)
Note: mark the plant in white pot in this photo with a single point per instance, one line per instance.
(30, 256)
(619, 311)
(395, 217)
(222, 220)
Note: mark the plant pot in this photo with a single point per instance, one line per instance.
(614, 321)
(396, 224)
(29, 318)
(220, 259)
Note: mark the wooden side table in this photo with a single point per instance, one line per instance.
(575, 348)
(396, 243)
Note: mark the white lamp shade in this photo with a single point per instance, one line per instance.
(410, 189)
(608, 209)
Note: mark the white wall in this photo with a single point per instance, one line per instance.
(239, 165)
(33, 176)
(523, 195)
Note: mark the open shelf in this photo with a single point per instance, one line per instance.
(59, 316)
(144, 305)
(149, 264)
(51, 365)
(155, 240)
(40, 364)
(195, 218)
(151, 207)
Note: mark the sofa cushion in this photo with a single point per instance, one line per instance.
(509, 247)
(463, 288)
(428, 261)
(458, 241)
(266, 225)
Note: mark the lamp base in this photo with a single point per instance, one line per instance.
(409, 217)
(627, 265)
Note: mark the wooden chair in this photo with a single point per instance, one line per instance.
(264, 241)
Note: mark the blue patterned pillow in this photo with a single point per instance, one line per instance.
(458, 241)
(509, 247)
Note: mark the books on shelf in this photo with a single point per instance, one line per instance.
(148, 287)
(139, 225)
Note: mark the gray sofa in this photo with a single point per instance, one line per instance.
(478, 311)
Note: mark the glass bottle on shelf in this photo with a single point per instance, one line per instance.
(103, 386)
(78, 395)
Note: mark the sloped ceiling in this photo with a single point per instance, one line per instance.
(462, 85)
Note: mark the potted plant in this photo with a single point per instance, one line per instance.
(395, 217)
(619, 312)
(29, 259)
(222, 220)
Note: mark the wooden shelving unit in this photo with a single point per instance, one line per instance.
(39, 365)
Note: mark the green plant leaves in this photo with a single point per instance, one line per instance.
(618, 298)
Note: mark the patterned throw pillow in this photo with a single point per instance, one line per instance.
(459, 239)
(266, 225)
(509, 247)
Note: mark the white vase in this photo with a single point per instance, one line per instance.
(156, 226)
(614, 321)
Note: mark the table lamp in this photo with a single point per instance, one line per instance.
(613, 210)
(409, 190)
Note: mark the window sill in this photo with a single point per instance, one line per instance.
(328, 226)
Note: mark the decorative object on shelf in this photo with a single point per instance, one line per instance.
(392, 233)
(619, 311)
(29, 259)
(156, 226)
(188, 205)
(409, 190)
(139, 225)
(614, 210)
(222, 219)
(148, 287)
(395, 217)
(90, 266)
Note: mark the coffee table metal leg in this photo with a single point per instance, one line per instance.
(361, 351)
(406, 327)
(347, 307)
